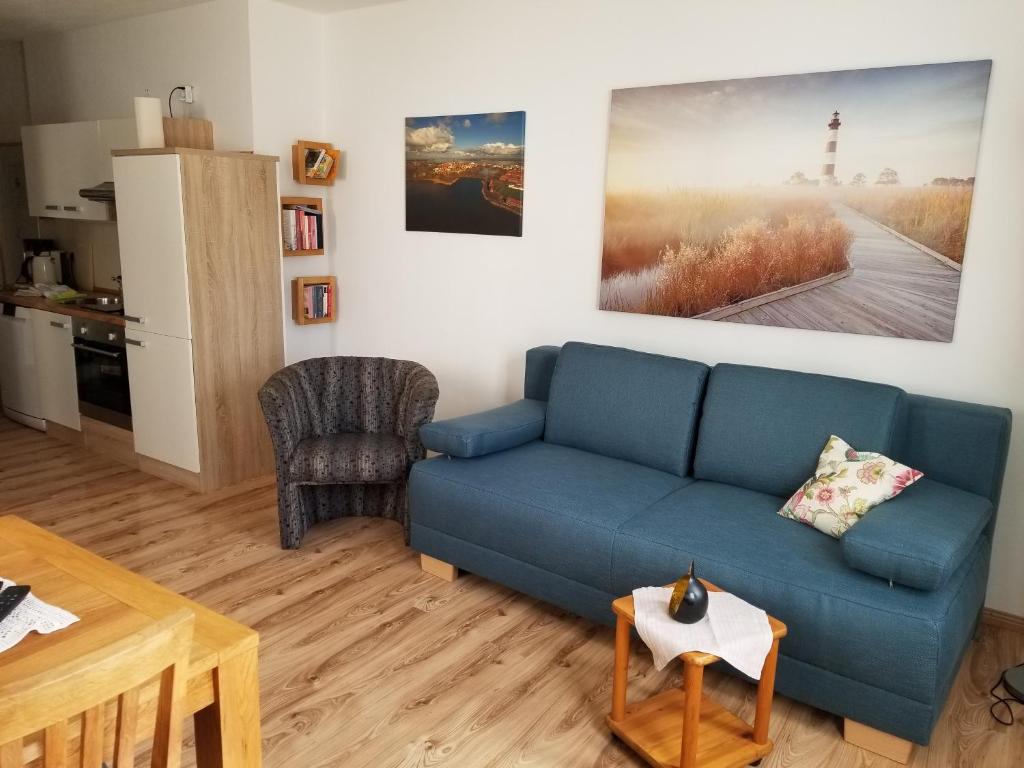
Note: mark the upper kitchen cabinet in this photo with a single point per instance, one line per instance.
(62, 158)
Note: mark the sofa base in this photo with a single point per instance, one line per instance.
(879, 742)
(796, 679)
(438, 568)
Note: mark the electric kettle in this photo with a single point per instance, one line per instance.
(45, 269)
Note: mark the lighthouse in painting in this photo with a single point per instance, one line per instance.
(828, 170)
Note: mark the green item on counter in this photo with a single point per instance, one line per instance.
(67, 296)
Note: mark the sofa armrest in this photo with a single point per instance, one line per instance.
(921, 537)
(487, 432)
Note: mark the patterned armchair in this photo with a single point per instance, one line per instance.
(345, 433)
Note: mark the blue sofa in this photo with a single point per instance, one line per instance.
(619, 467)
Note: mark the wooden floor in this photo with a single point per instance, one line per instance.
(366, 661)
(895, 290)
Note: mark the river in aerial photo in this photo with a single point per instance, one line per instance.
(459, 207)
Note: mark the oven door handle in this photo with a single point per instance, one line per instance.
(96, 351)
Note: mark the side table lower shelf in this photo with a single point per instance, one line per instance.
(652, 729)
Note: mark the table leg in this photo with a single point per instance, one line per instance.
(228, 731)
(620, 674)
(693, 684)
(765, 692)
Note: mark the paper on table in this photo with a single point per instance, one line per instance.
(31, 615)
(733, 630)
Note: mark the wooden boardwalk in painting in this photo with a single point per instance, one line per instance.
(894, 290)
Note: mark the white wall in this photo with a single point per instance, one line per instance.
(14, 221)
(288, 103)
(93, 73)
(469, 306)
(13, 92)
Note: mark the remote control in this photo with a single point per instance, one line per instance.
(10, 598)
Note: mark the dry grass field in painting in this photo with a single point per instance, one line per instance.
(686, 252)
(935, 216)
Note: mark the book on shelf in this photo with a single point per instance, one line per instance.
(302, 228)
(318, 301)
(318, 164)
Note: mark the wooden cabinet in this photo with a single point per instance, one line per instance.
(62, 158)
(55, 359)
(199, 235)
(163, 399)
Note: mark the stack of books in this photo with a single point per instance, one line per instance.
(302, 228)
(319, 301)
(318, 164)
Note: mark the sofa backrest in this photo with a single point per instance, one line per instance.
(625, 404)
(959, 444)
(763, 428)
(540, 365)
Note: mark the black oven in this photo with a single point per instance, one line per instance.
(102, 368)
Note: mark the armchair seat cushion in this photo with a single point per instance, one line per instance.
(349, 457)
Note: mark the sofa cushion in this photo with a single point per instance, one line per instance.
(763, 428)
(547, 505)
(920, 538)
(490, 431)
(350, 457)
(840, 619)
(626, 404)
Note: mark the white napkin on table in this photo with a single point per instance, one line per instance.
(31, 615)
(733, 630)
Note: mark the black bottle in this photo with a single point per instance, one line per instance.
(689, 602)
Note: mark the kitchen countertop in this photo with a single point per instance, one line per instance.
(38, 302)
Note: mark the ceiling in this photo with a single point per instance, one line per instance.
(331, 6)
(22, 18)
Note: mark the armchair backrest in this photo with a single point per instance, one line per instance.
(331, 395)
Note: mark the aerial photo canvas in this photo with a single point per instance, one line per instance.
(464, 173)
(834, 201)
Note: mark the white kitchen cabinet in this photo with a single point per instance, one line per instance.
(55, 358)
(62, 158)
(151, 241)
(163, 398)
(41, 174)
(19, 375)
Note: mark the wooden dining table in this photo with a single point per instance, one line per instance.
(110, 601)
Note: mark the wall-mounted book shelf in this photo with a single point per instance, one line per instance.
(315, 162)
(314, 299)
(302, 226)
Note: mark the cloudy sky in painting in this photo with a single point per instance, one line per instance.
(497, 135)
(924, 121)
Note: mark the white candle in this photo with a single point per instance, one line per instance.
(149, 122)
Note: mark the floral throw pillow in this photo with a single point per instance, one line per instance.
(846, 484)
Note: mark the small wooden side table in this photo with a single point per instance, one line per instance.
(681, 728)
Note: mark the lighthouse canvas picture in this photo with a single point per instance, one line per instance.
(830, 201)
